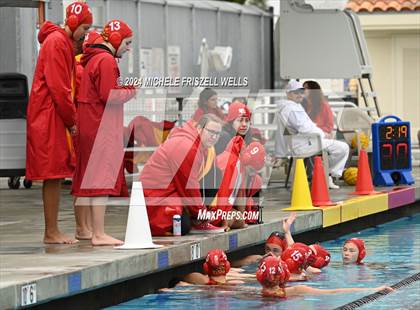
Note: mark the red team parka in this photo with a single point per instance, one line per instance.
(99, 169)
(51, 109)
(235, 183)
(171, 178)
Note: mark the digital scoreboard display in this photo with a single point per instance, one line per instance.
(391, 152)
(394, 147)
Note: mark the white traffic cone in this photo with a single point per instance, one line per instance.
(137, 234)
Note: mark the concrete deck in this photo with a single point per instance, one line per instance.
(63, 270)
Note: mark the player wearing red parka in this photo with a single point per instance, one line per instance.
(82, 215)
(99, 170)
(51, 115)
(171, 177)
(236, 163)
(89, 39)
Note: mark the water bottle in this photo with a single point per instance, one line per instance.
(176, 220)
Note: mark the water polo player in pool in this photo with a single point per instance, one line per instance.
(273, 274)
(217, 271)
(319, 256)
(276, 243)
(353, 251)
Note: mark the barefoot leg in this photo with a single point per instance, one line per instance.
(82, 213)
(88, 222)
(98, 220)
(98, 224)
(51, 199)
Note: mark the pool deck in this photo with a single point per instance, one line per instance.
(63, 270)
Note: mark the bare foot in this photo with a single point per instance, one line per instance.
(83, 235)
(58, 238)
(105, 240)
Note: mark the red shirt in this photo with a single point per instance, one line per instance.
(324, 119)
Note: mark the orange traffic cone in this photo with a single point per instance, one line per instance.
(364, 185)
(319, 189)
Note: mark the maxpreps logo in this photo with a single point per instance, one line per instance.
(206, 215)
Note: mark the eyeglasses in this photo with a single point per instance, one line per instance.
(213, 133)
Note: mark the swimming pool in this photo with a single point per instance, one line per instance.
(393, 254)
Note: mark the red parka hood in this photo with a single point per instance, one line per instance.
(90, 52)
(48, 28)
(187, 131)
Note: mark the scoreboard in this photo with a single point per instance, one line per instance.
(391, 146)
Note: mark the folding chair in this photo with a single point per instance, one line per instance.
(354, 121)
(292, 141)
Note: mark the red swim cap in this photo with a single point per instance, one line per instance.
(78, 13)
(295, 259)
(216, 263)
(323, 257)
(254, 156)
(237, 109)
(115, 31)
(309, 254)
(361, 246)
(298, 257)
(272, 271)
(90, 38)
(277, 238)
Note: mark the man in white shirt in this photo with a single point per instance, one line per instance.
(292, 119)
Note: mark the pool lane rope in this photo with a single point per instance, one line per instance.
(375, 296)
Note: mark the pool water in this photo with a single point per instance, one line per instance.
(393, 254)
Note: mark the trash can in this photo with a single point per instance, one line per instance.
(13, 104)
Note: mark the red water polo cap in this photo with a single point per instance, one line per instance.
(78, 13)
